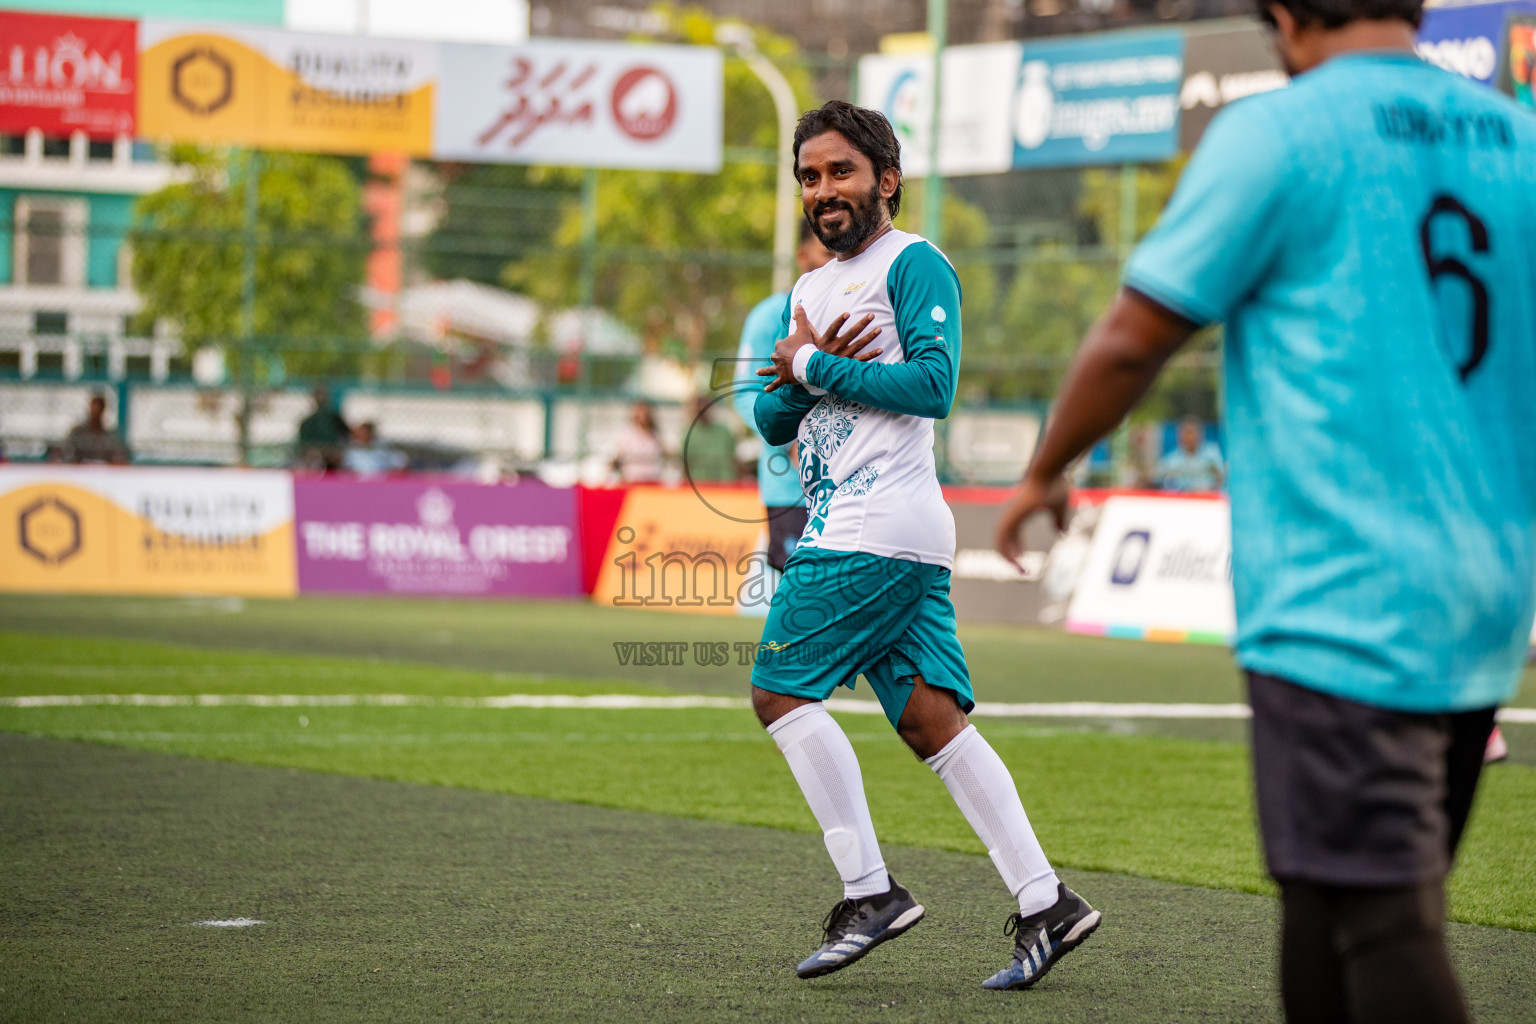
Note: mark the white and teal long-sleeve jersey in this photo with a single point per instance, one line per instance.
(866, 429)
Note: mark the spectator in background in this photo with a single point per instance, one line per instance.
(778, 475)
(638, 456)
(93, 440)
(323, 435)
(1194, 464)
(368, 456)
(710, 450)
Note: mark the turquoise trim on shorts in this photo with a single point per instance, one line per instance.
(837, 615)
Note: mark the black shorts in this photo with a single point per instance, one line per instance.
(785, 525)
(1351, 794)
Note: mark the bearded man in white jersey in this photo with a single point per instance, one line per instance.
(867, 590)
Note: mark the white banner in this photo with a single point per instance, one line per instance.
(978, 85)
(585, 104)
(1159, 569)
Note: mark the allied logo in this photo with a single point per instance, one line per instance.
(1130, 556)
(50, 531)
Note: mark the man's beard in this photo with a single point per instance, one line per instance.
(863, 220)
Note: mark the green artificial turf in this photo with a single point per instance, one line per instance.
(1158, 807)
(387, 902)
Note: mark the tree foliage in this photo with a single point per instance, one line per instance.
(189, 246)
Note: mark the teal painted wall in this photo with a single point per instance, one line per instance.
(108, 217)
(262, 12)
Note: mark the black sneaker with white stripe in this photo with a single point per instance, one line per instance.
(856, 926)
(1044, 938)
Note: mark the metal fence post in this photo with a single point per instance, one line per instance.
(246, 375)
(933, 186)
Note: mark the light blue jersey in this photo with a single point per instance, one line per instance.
(778, 482)
(1369, 236)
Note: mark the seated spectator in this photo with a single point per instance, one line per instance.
(1195, 465)
(323, 435)
(710, 449)
(368, 456)
(638, 456)
(93, 440)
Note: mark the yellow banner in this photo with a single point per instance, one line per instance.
(685, 550)
(127, 531)
(285, 90)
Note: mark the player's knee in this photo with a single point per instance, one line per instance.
(770, 707)
(1367, 918)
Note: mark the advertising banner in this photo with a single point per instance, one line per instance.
(582, 104)
(1158, 569)
(1220, 67)
(684, 549)
(1517, 70)
(62, 75)
(1469, 39)
(119, 530)
(1099, 100)
(413, 537)
(974, 137)
(286, 90)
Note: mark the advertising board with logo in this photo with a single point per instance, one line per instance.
(286, 90)
(411, 537)
(105, 530)
(62, 75)
(973, 136)
(1158, 569)
(1220, 67)
(1100, 100)
(688, 549)
(1469, 39)
(582, 104)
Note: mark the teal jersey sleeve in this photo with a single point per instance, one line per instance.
(758, 335)
(1223, 226)
(777, 414)
(925, 296)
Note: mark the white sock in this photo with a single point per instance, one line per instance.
(824, 764)
(979, 781)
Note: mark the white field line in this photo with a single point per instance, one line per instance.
(236, 922)
(626, 702)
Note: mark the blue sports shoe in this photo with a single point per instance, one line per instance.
(1044, 938)
(854, 927)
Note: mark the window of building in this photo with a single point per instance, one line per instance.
(138, 367)
(54, 146)
(50, 365)
(10, 362)
(144, 152)
(49, 242)
(13, 145)
(99, 149)
(50, 322)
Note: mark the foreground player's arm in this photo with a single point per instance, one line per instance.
(925, 295)
(1219, 235)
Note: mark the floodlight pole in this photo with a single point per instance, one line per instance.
(739, 38)
(933, 187)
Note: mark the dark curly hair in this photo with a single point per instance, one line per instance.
(1336, 13)
(866, 130)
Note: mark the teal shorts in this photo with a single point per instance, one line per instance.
(838, 614)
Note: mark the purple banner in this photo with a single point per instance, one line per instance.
(410, 537)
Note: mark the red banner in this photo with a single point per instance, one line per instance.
(63, 75)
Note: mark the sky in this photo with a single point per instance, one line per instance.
(466, 21)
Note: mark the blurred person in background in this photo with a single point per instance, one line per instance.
(1366, 237)
(1194, 464)
(323, 435)
(368, 456)
(778, 477)
(710, 450)
(638, 455)
(93, 440)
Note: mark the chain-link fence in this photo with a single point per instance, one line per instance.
(490, 318)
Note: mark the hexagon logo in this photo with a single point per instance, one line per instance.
(50, 531)
(202, 80)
